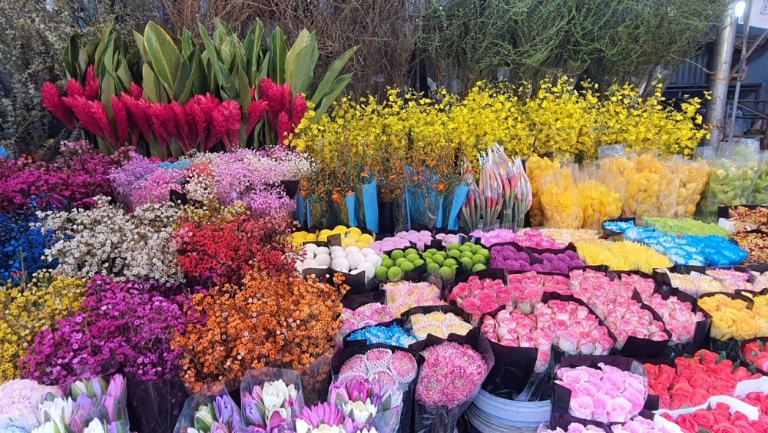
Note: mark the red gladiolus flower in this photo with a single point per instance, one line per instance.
(82, 109)
(136, 91)
(197, 120)
(91, 85)
(100, 114)
(121, 120)
(255, 112)
(137, 108)
(53, 102)
(74, 88)
(299, 110)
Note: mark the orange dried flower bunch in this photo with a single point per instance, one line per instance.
(267, 321)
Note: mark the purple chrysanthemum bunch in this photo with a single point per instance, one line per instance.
(126, 325)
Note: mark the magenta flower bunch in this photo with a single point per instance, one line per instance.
(369, 402)
(450, 375)
(156, 187)
(126, 325)
(326, 417)
(125, 177)
(269, 202)
(70, 181)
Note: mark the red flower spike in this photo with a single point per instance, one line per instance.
(255, 112)
(121, 120)
(287, 96)
(53, 102)
(233, 115)
(91, 85)
(74, 88)
(100, 114)
(137, 108)
(196, 117)
(283, 128)
(218, 127)
(156, 114)
(273, 94)
(184, 139)
(299, 110)
(82, 110)
(253, 93)
(168, 117)
(136, 91)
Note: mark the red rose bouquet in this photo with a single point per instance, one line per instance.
(756, 354)
(693, 380)
(717, 420)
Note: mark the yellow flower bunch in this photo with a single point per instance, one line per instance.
(560, 200)
(557, 117)
(27, 309)
(732, 318)
(598, 203)
(537, 169)
(693, 177)
(569, 236)
(622, 256)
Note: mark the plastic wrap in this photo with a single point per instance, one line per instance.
(362, 367)
(283, 389)
(155, 405)
(760, 188)
(669, 187)
(731, 177)
(693, 176)
(560, 200)
(206, 410)
(644, 186)
(597, 200)
(442, 419)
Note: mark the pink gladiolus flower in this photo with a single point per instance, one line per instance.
(91, 92)
(299, 110)
(138, 110)
(121, 120)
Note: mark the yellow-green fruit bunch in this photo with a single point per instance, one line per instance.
(26, 309)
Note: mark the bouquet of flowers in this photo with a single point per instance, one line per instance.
(19, 401)
(326, 417)
(97, 407)
(205, 413)
(369, 402)
(271, 398)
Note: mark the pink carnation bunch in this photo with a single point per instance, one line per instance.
(575, 330)
(494, 237)
(532, 238)
(392, 243)
(678, 316)
(450, 375)
(605, 395)
(512, 328)
(366, 315)
(478, 297)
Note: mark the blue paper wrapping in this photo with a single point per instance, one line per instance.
(440, 213)
(459, 197)
(351, 209)
(300, 209)
(371, 206)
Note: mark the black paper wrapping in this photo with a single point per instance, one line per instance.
(701, 332)
(636, 347)
(353, 302)
(409, 395)
(441, 419)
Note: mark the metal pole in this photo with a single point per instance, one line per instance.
(742, 67)
(718, 82)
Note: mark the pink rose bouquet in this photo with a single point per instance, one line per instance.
(574, 329)
(574, 428)
(607, 395)
(678, 316)
(644, 286)
(512, 328)
(528, 288)
(478, 297)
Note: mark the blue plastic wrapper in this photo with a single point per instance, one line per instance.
(352, 209)
(459, 197)
(371, 206)
(393, 335)
(689, 250)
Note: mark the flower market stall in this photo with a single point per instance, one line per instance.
(234, 247)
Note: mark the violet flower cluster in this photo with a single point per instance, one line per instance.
(122, 325)
(70, 181)
(220, 416)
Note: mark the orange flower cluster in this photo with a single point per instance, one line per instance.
(268, 321)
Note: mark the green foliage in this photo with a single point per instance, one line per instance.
(608, 41)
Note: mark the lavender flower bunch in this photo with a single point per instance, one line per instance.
(221, 416)
(366, 401)
(270, 408)
(98, 407)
